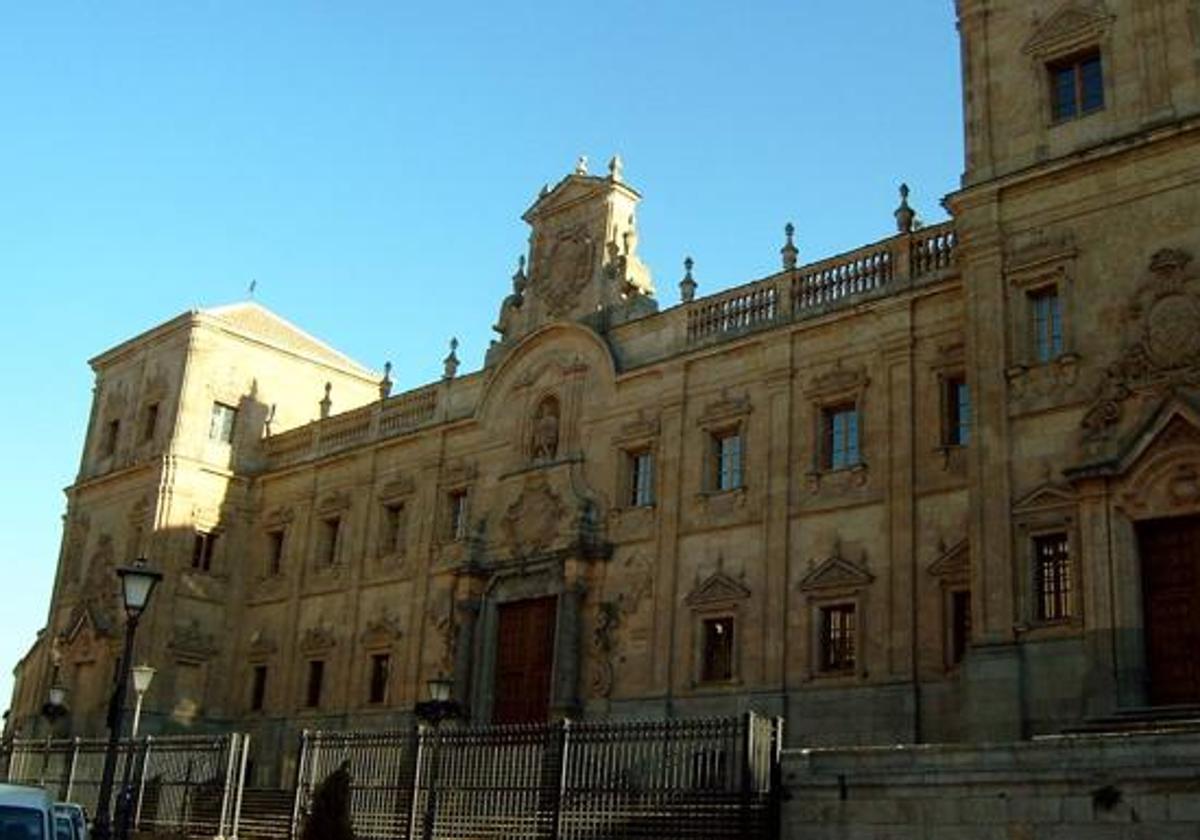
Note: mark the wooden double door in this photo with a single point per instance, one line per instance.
(524, 660)
(1170, 555)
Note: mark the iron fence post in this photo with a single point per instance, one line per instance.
(137, 813)
(747, 770)
(301, 766)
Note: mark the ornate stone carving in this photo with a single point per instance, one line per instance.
(319, 638)
(442, 615)
(190, 643)
(384, 630)
(260, 646)
(280, 516)
(838, 380)
(565, 269)
(334, 501)
(835, 572)
(953, 563)
(1162, 346)
(531, 523)
(1073, 25)
(544, 443)
(611, 615)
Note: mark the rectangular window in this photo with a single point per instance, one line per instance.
(641, 479)
(203, 546)
(717, 654)
(274, 552)
(1052, 576)
(1076, 86)
(840, 435)
(381, 668)
(458, 515)
(1046, 309)
(316, 676)
(392, 540)
(960, 625)
(838, 638)
(112, 433)
(958, 412)
(221, 423)
(331, 533)
(149, 422)
(258, 688)
(727, 458)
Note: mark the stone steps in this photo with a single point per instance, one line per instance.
(1185, 718)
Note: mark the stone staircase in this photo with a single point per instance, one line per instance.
(1142, 721)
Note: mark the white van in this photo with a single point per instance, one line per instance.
(26, 813)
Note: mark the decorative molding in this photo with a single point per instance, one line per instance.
(1072, 26)
(953, 563)
(640, 429)
(1045, 497)
(260, 646)
(835, 572)
(189, 642)
(718, 589)
(279, 517)
(458, 474)
(836, 382)
(382, 631)
(727, 408)
(334, 502)
(397, 488)
(319, 638)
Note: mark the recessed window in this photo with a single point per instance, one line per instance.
(960, 625)
(204, 544)
(221, 423)
(641, 478)
(1052, 576)
(392, 538)
(275, 552)
(1045, 307)
(381, 668)
(312, 689)
(112, 433)
(957, 430)
(727, 460)
(330, 537)
(1076, 86)
(838, 638)
(716, 664)
(149, 422)
(258, 688)
(458, 515)
(840, 436)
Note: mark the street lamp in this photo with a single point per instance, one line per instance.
(142, 675)
(54, 708)
(137, 585)
(432, 712)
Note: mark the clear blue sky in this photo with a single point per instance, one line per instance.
(367, 162)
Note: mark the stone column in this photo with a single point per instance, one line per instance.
(568, 651)
(464, 650)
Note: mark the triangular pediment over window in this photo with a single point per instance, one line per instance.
(1045, 497)
(953, 562)
(1073, 25)
(717, 588)
(836, 572)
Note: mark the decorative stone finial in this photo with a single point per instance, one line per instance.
(326, 401)
(614, 168)
(519, 278)
(789, 251)
(904, 214)
(687, 286)
(385, 384)
(544, 191)
(581, 165)
(450, 363)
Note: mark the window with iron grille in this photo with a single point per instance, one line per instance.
(840, 437)
(1076, 86)
(716, 663)
(838, 638)
(381, 668)
(641, 478)
(1052, 576)
(221, 423)
(727, 460)
(204, 544)
(316, 676)
(1046, 311)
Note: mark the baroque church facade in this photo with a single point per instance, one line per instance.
(943, 487)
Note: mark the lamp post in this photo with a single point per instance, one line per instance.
(432, 712)
(137, 585)
(54, 708)
(142, 676)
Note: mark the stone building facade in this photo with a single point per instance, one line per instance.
(944, 487)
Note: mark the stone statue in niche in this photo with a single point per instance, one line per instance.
(545, 430)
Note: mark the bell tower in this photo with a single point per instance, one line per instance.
(583, 263)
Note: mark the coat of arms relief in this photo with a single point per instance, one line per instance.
(565, 269)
